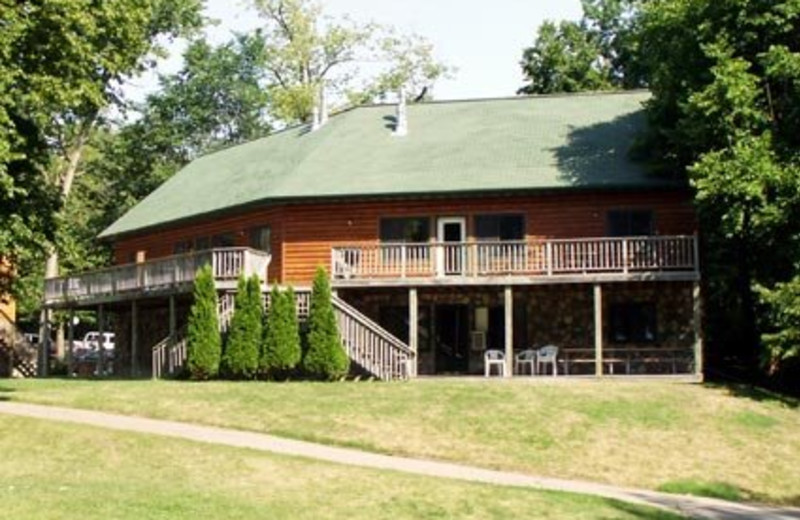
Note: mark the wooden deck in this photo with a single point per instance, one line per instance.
(517, 262)
(163, 276)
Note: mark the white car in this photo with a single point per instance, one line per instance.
(90, 340)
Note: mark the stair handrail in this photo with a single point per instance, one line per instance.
(371, 324)
(161, 351)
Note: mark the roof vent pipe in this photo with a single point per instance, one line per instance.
(401, 118)
(323, 106)
(315, 118)
(319, 115)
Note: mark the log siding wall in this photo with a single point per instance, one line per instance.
(303, 234)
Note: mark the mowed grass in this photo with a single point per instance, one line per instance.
(656, 435)
(53, 471)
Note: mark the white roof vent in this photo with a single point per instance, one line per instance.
(401, 118)
(319, 115)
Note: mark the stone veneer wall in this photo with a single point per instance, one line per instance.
(562, 315)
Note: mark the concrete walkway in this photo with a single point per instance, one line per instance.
(687, 505)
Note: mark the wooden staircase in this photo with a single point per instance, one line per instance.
(370, 346)
(170, 359)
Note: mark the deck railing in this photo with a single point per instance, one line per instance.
(524, 258)
(162, 273)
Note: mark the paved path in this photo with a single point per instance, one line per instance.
(690, 506)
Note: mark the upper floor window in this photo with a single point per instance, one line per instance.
(184, 246)
(223, 240)
(500, 227)
(633, 322)
(260, 238)
(630, 223)
(202, 243)
(405, 229)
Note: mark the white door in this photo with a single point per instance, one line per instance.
(451, 235)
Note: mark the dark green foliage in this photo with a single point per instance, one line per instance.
(781, 323)
(724, 111)
(203, 340)
(61, 66)
(325, 357)
(281, 351)
(725, 78)
(596, 53)
(240, 360)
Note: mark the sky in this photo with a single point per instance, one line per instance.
(482, 40)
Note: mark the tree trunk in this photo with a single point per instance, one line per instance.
(66, 180)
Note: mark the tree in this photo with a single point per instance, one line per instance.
(325, 357)
(240, 360)
(204, 344)
(216, 99)
(62, 64)
(281, 351)
(307, 51)
(724, 112)
(599, 52)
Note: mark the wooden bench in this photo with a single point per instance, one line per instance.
(628, 357)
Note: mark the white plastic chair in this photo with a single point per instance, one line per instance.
(547, 354)
(494, 357)
(525, 357)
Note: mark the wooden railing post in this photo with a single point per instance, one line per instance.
(696, 253)
(548, 248)
(598, 330)
(625, 260)
(403, 258)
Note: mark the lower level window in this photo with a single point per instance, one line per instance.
(633, 322)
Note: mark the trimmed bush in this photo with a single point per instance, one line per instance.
(240, 360)
(325, 357)
(203, 340)
(281, 351)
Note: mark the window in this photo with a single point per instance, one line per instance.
(630, 223)
(202, 243)
(260, 238)
(633, 322)
(184, 246)
(223, 240)
(500, 227)
(405, 229)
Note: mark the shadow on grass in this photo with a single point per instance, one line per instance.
(644, 512)
(756, 393)
(5, 393)
(721, 490)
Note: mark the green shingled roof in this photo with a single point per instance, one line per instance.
(523, 143)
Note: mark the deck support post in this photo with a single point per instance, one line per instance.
(134, 338)
(71, 343)
(171, 331)
(413, 329)
(45, 344)
(101, 339)
(698, 330)
(509, 325)
(598, 330)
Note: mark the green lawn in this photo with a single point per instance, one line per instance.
(676, 437)
(52, 471)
